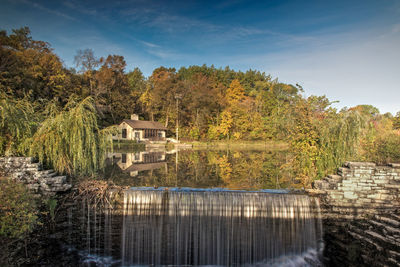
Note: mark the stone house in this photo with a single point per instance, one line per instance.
(140, 130)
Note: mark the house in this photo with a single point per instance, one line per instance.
(140, 130)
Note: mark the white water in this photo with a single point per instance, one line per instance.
(209, 228)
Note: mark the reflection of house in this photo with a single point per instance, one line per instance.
(139, 161)
(135, 129)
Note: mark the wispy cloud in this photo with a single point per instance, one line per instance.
(48, 10)
(354, 72)
(153, 17)
(76, 6)
(151, 45)
(162, 54)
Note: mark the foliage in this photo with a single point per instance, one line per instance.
(322, 139)
(388, 148)
(214, 104)
(396, 121)
(18, 122)
(18, 213)
(71, 140)
(381, 141)
(29, 67)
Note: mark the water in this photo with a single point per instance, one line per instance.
(173, 223)
(206, 228)
(233, 169)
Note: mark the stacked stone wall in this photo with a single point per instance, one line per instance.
(361, 212)
(360, 188)
(26, 170)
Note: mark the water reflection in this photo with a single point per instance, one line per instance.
(245, 169)
(139, 161)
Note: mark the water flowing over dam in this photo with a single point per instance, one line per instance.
(206, 227)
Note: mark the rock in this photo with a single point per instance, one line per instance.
(27, 171)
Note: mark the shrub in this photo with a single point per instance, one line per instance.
(388, 148)
(18, 212)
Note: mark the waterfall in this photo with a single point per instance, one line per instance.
(201, 227)
(181, 227)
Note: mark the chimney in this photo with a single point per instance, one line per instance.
(134, 117)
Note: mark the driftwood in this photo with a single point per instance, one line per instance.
(95, 192)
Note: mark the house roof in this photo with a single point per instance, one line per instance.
(137, 124)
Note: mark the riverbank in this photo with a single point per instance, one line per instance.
(128, 144)
(239, 144)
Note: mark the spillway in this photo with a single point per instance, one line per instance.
(201, 227)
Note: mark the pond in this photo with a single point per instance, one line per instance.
(233, 169)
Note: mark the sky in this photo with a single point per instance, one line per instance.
(346, 50)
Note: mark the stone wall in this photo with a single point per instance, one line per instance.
(361, 214)
(362, 187)
(31, 173)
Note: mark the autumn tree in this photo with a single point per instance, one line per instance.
(396, 121)
(29, 67)
(159, 97)
(200, 104)
(112, 93)
(87, 63)
(137, 85)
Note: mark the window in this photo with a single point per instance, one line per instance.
(124, 133)
(123, 158)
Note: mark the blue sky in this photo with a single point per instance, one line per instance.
(346, 50)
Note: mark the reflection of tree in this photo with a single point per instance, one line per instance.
(225, 168)
(207, 169)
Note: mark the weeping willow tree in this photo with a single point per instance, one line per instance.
(339, 138)
(18, 122)
(322, 139)
(70, 140)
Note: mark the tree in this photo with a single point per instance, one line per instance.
(396, 121)
(85, 60)
(18, 122)
(112, 93)
(71, 141)
(159, 97)
(87, 63)
(29, 67)
(137, 85)
(235, 93)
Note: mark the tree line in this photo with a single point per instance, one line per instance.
(39, 96)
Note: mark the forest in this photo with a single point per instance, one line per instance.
(63, 116)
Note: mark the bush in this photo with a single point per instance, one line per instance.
(18, 212)
(388, 148)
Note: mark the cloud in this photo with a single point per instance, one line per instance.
(357, 72)
(148, 44)
(354, 67)
(48, 10)
(155, 17)
(80, 8)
